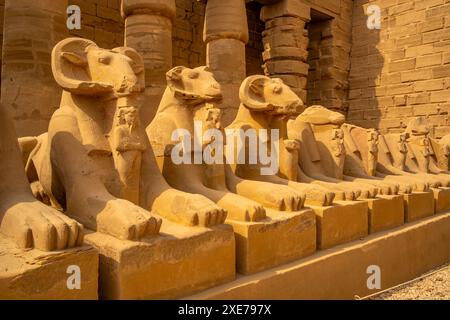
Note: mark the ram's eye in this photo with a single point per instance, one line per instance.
(104, 59)
(277, 89)
(193, 75)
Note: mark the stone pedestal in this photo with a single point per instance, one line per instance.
(343, 222)
(385, 212)
(279, 239)
(148, 30)
(38, 275)
(226, 34)
(441, 199)
(341, 273)
(418, 205)
(178, 262)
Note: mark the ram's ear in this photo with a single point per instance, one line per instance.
(74, 58)
(174, 76)
(251, 93)
(137, 63)
(206, 69)
(70, 67)
(257, 88)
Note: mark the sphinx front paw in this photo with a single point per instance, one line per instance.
(35, 225)
(197, 210)
(189, 209)
(201, 211)
(285, 199)
(127, 221)
(242, 209)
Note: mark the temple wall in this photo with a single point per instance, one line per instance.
(100, 22)
(307, 44)
(31, 30)
(329, 48)
(401, 70)
(254, 47)
(188, 46)
(379, 78)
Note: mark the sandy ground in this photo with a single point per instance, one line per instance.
(432, 287)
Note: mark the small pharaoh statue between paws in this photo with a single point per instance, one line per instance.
(209, 116)
(426, 151)
(441, 149)
(446, 152)
(338, 148)
(128, 146)
(289, 159)
(402, 145)
(372, 159)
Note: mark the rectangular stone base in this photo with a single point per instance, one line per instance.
(441, 199)
(281, 238)
(418, 205)
(343, 222)
(38, 275)
(385, 212)
(341, 272)
(178, 262)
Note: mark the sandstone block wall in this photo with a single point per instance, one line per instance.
(254, 47)
(188, 47)
(307, 43)
(100, 22)
(403, 69)
(379, 78)
(285, 42)
(328, 53)
(30, 31)
(29, 71)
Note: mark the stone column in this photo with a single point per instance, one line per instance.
(2, 11)
(148, 29)
(31, 29)
(226, 34)
(286, 43)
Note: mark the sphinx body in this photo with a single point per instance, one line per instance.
(30, 223)
(322, 152)
(409, 156)
(399, 157)
(268, 104)
(191, 99)
(96, 162)
(362, 161)
(441, 150)
(421, 156)
(393, 150)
